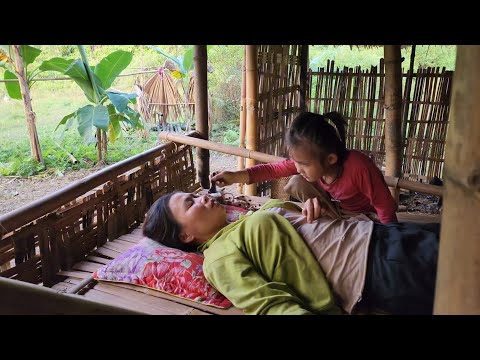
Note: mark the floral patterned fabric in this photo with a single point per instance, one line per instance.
(234, 212)
(173, 271)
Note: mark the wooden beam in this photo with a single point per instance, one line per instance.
(243, 118)
(251, 70)
(304, 64)
(458, 289)
(201, 112)
(393, 113)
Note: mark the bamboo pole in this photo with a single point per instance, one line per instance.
(243, 115)
(408, 90)
(267, 158)
(76, 288)
(226, 149)
(304, 63)
(35, 149)
(393, 113)
(457, 288)
(251, 102)
(201, 112)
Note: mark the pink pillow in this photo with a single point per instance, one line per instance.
(172, 271)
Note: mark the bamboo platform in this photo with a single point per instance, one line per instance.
(145, 300)
(127, 296)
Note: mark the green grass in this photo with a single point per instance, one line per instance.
(50, 109)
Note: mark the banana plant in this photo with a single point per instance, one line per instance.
(109, 109)
(29, 54)
(15, 60)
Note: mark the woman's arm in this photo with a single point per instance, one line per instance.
(237, 279)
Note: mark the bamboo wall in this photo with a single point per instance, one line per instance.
(115, 199)
(278, 98)
(359, 95)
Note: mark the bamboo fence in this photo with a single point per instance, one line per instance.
(359, 95)
(278, 99)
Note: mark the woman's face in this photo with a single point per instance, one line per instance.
(199, 217)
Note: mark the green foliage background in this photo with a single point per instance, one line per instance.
(54, 99)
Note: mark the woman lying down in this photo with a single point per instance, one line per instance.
(268, 262)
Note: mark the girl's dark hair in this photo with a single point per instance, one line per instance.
(160, 225)
(315, 129)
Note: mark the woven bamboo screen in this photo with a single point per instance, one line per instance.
(278, 97)
(359, 95)
(113, 203)
(426, 124)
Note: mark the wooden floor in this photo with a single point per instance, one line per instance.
(147, 300)
(128, 296)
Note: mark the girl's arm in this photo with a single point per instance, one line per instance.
(373, 185)
(264, 172)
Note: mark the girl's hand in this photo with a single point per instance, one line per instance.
(226, 178)
(313, 209)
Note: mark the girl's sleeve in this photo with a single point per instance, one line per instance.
(373, 185)
(263, 172)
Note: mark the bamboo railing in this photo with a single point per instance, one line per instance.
(53, 233)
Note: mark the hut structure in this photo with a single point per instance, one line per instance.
(50, 248)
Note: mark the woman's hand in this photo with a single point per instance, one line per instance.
(226, 178)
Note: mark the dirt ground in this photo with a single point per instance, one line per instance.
(18, 191)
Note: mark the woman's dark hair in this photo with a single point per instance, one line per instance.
(315, 129)
(160, 225)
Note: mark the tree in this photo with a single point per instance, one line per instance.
(15, 59)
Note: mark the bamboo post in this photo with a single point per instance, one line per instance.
(251, 102)
(393, 113)
(35, 149)
(457, 288)
(408, 90)
(304, 63)
(201, 112)
(243, 115)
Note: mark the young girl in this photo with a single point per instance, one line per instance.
(274, 262)
(317, 152)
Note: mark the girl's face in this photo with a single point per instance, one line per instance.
(310, 165)
(199, 217)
